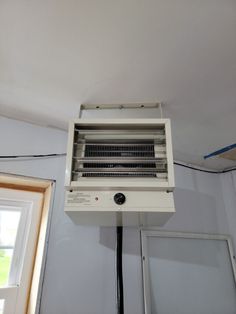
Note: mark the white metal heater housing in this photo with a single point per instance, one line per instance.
(119, 172)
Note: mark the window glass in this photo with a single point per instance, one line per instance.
(9, 221)
(5, 264)
(1, 306)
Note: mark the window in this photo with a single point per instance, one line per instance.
(9, 223)
(1, 306)
(20, 214)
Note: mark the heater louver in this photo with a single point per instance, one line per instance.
(117, 159)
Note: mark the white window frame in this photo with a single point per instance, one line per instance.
(30, 204)
(145, 233)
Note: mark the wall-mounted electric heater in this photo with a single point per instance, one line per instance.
(119, 172)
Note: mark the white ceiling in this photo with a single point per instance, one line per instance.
(57, 54)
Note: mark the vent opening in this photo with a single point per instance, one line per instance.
(118, 158)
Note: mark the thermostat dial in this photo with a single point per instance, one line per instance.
(119, 198)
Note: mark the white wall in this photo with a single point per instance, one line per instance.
(228, 183)
(80, 270)
(80, 266)
(199, 208)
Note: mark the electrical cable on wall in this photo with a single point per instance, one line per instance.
(119, 230)
(119, 271)
(5, 157)
(203, 170)
(32, 156)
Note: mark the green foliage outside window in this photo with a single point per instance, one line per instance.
(5, 262)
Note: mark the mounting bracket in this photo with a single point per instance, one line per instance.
(157, 105)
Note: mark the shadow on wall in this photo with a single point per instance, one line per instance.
(195, 212)
(178, 250)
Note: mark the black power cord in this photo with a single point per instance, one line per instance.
(119, 271)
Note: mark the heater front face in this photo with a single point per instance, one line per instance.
(119, 165)
(120, 153)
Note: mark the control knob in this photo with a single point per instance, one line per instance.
(119, 198)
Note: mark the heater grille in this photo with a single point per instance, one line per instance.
(114, 150)
(117, 158)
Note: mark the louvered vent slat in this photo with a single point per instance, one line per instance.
(119, 158)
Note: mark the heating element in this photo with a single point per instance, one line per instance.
(117, 155)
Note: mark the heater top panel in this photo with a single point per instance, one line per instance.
(135, 154)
